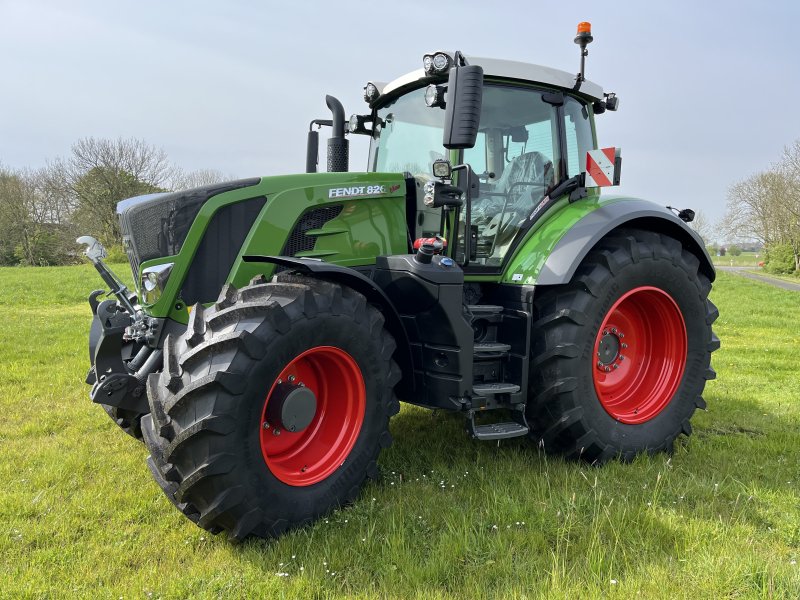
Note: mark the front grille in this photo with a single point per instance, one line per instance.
(156, 225)
(298, 241)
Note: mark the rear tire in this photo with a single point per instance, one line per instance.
(597, 394)
(213, 453)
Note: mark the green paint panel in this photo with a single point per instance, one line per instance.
(371, 223)
(527, 261)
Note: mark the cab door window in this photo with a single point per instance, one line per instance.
(515, 157)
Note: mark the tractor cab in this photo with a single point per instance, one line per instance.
(533, 132)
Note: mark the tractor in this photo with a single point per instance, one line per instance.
(474, 267)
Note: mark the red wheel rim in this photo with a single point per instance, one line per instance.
(307, 457)
(639, 355)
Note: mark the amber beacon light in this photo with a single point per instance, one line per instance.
(583, 39)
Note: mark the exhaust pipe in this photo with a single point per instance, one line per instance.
(338, 146)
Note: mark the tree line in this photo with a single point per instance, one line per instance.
(43, 210)
(766, 207)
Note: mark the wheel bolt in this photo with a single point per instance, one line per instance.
(614, 330)
(621, 358)
(266, 425)
(608, 369)
(600, 364)
(276, 431)
(621, 335)
(291, 378)
(624, 345)
(616, 366)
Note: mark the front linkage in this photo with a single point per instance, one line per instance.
(124, 346)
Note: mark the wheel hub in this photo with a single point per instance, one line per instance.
(609, 349)
(292, 407)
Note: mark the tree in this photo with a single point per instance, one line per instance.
(766, 206)
(99, 173)
(703, 227)
(192, 179)
(32, 228)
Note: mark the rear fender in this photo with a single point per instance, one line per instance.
(556, 264)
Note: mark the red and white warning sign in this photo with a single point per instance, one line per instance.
(602, 167)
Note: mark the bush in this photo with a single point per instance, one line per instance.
(735, 251)
(780, 259)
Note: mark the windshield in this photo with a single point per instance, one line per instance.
(525, 146)
(408, 136)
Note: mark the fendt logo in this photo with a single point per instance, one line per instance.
(355, 191)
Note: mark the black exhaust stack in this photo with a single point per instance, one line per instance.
(338, 150)
(312, 150)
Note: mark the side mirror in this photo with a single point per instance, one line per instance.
(603, 167)
(463, 111)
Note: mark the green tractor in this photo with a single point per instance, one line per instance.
(474, 267)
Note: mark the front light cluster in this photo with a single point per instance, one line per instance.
(430, 193)
(154, 280)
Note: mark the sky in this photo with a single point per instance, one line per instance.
(708, 90)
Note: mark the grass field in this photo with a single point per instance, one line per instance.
(451, 518)
(745, 259)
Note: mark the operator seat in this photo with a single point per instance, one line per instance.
(524, 183)
(525, 180)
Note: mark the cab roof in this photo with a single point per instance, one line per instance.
(506, 69)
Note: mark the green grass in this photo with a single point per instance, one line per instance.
(451, 518)
(745, 259)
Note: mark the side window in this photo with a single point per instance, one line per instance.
(476, 156)
(516, 152)
(579, 135)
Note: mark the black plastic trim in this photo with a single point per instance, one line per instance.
(223, 238)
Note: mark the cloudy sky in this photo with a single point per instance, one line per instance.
(708, 90)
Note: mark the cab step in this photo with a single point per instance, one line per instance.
(493, 389)
(484, 309)
(491, 348)
(495, 431)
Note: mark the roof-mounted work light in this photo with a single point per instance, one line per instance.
(437, 63)
(371, 92)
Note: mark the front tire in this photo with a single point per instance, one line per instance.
(273, 407)
(621, 354)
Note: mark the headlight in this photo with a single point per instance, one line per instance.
(430, 192)
(154, 280)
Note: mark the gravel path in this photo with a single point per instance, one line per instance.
(745, 272)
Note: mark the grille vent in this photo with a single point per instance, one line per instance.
(314, 219)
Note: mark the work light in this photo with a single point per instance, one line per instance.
(434, 95)
(371, 92)
(436, 63)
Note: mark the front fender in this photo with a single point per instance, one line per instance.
(361, 284)
(551, 257)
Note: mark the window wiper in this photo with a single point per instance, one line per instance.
(574, 186)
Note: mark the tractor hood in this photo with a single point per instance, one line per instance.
(156, 225)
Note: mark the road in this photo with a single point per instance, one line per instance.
(745, 272)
